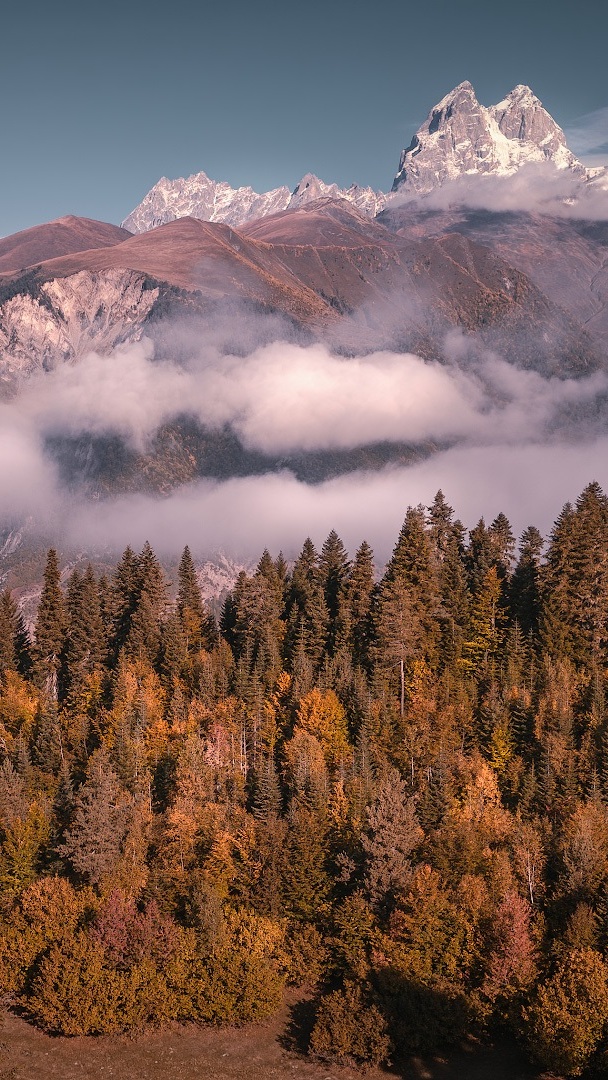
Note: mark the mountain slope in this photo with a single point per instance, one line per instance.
(566, 259)
(316, 264)
(64, 236)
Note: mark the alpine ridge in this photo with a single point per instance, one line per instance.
(200, 197)
(460, 136)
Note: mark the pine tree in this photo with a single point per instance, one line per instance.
(479, 555)
(391, 834)
(15, 645)
(146, 608)
(334, 568)
(50, 627)
(455, 602)
(524, 589)
(47, 743)
(266, 801)
(93, 841)
(503, 545)
(85, 644)
(306, 607)
(441, 525)
(408, 600)
(359, 594)
(190, 604)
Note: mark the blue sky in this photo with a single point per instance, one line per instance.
(100, 101)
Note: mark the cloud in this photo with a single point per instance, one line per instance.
(518, 444)
(288, 398)
(28, 479)
(536, 187)
(243, 516)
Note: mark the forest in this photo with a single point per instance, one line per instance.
(390, 790)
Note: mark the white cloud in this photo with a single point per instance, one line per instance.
(535, 187)
(243, 516)
(287, 398)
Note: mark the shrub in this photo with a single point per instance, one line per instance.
(349, 1029)
(569, 1015)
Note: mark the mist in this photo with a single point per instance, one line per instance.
(243, 516)
(503, 439)
(536, 187)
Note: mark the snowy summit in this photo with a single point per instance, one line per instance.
(460, 136)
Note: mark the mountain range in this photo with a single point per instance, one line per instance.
(459, 137)
(358, 270)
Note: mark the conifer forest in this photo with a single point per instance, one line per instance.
(392, 791)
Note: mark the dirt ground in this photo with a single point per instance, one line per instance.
(260, 1052)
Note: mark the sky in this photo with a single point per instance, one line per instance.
(100, 101)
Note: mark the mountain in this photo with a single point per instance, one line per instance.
(64, 236)
(460, 136)
(331, 272)
(567, 259)
(214, 200)
(355, 270)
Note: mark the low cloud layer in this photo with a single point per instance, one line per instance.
(243, 516)
(515, 446)
(535, 187)
(287, 398)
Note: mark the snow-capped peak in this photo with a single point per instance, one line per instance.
(214, 200)
(461, 136)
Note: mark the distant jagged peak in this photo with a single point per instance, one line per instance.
(461, 136)
(200, 197)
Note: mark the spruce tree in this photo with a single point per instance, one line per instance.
(50, 627)
(524, 589)
(85, 644)
(190, 604)
(359, 593)
(334, 569)
(14, 643)
(306, 607)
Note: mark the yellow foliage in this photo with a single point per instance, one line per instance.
(18, 705)
(305, 761)
(321, 715)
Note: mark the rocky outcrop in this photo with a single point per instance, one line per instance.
(460, 136)
(68, 317)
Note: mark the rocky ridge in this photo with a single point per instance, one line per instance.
(214, 200)
(460, 136)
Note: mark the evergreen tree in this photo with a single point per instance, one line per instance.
(47, 743)
(306, 607)
(359, 594)
(408, 602)
(391, 834)
(50, 627)
(441, 525)
(190, 604)
(524, 590)
(503, 545)
(15, 646)
(334, 568)
(85, 644)
(93, 842)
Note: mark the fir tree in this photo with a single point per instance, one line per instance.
(334, 568)
(50, 627)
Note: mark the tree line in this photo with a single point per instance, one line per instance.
(392, 791)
